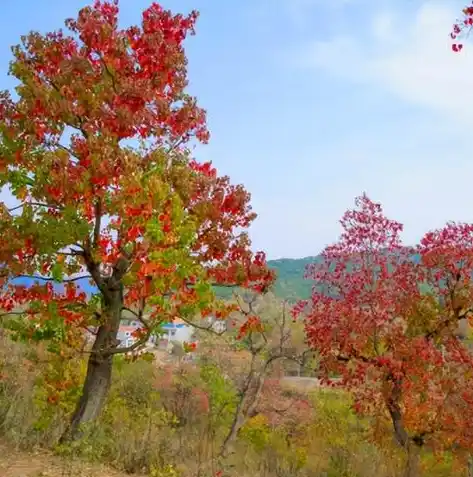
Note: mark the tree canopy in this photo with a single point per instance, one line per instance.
(388, 325)
(95, 150)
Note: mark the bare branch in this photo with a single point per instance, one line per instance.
(72, 253)
(98, 221)
(203, 328)
(93, 268)
(125, 308)
(128, 349)
(141, 312)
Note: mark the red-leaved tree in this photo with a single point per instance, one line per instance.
(385, 318)
(95, 151)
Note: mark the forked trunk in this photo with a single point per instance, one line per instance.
(248, 401)
(99, 374)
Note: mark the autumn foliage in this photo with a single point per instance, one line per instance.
(384, 317)
(95, 151)
(461, 28)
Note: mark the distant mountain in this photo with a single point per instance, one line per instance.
(290, 282)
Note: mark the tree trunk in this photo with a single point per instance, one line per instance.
(99, 372)
(248, 401)
(94, 393)
(411, 446)
(413, 461)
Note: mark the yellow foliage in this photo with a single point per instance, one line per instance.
(166, 471)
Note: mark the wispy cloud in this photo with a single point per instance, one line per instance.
(408, 55)
(411, 126)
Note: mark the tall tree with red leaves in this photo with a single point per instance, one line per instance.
(95, 150)
(384, 317)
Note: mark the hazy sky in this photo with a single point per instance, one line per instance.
(312, 102)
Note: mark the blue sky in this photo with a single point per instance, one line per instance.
(312, 102)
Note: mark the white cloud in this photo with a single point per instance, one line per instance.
(383, 26)
(418, 162)
(408, 55)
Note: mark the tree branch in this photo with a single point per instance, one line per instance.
(64, 148)
(139, 315)
(129, 349)
(134, 313)
(203, 328)
(35, 204)
(444, 324)
(109, 73)
(48, 279)
(72, 253)
(98, 221)
(17, 313)
(93, 269)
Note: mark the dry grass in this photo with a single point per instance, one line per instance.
(15, 463)
(159, 426)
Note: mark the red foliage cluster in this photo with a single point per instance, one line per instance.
(252, 324)
(462, 27)
(385, 318)
(36, 300)
(179, 395)
(284, 407)
(189, 347)
(89, 197)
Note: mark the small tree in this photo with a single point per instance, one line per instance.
(95, 150)
(260, 337)
(385, 316)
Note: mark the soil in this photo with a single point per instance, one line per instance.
(14, 463)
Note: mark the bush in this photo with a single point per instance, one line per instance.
(170, 422)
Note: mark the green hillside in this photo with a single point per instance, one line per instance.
(290, 284)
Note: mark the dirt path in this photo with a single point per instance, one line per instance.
(20, 464)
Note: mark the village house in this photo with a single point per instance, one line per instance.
(176, 331)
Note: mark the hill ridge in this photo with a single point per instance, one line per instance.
(290, 283)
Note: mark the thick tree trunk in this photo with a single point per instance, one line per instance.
(413, 461)
(99, 372)
(94, 393)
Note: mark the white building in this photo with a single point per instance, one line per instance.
(219, 326)
(178, 331)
